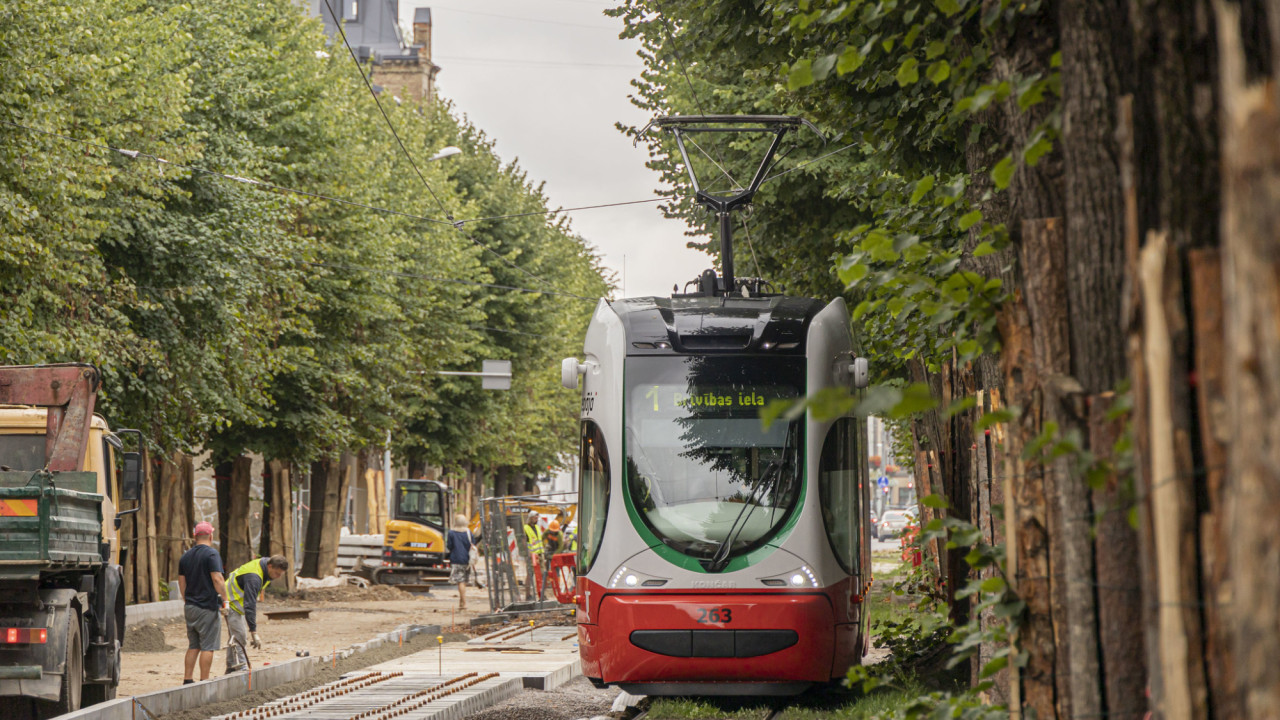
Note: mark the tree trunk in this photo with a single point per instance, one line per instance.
(268, 499)
(239, 547)
(1251, 284)
(322, 521)
(1094, 39)
(281, 512)
(222, 487)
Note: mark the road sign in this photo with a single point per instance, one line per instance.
(883, 482)
(496, 375)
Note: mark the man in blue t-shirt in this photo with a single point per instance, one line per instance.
(200, 580)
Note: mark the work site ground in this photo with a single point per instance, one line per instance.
(340, 617)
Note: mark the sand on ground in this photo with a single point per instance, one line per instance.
(339, 619)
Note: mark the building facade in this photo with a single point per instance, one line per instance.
(400, 67)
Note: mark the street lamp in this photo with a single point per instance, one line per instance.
(449, 151)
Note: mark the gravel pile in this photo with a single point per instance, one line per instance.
(148, 637)
(571, 701)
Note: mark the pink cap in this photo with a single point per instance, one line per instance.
(203, 528)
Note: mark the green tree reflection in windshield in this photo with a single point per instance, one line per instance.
(697, 453)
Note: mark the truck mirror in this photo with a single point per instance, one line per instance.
(131, 478)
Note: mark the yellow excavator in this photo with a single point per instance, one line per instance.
(413, 546)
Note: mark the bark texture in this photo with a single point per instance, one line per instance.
(1093, 35)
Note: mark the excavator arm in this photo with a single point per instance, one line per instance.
(69, 392)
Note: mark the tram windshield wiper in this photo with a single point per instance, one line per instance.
(771, 474)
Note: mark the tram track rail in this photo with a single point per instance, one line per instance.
(377, 695)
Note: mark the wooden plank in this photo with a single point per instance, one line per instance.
(1176, 702)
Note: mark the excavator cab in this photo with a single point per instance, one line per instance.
(413, 548)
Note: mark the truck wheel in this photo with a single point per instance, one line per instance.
(73, 675)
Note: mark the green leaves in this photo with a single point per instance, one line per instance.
(923, 186)
(948, 7)
(1002, 173)
(800, 75)
(939, 72)
(907, 72)
(850, 59)
(969, 219)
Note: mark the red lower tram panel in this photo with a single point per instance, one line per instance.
(673, 643)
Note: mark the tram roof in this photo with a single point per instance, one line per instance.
(773, 324)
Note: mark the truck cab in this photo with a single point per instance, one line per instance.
(22, 449)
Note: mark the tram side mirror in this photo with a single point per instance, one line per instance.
(570, 369)
(860, 373)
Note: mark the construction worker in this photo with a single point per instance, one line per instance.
(204, 593)
(533, 538)
(244, 589)
(551, 540)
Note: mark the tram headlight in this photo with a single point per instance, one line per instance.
(801, 577)
(627, 578)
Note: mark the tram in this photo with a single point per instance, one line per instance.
(717, 556)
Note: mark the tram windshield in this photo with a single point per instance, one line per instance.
(701, 469)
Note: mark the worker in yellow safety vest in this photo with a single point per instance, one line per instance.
(244, 589)
(533, 538)
(533, 535)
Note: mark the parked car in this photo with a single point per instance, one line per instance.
(893, 523)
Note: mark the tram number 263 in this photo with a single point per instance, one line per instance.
(715, 615)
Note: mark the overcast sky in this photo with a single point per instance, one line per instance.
(547, 80)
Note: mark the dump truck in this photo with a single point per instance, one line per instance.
(63, 476)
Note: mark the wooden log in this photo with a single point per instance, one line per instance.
(1205, 272)
(281, 510)
(1026, 512)
(1250, 230)
(1042, 260)
(1119, 587)
(150, 491)
(371, 500)
(1135, 351)
(380, 492)
(128, 538)
(1084, 685)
